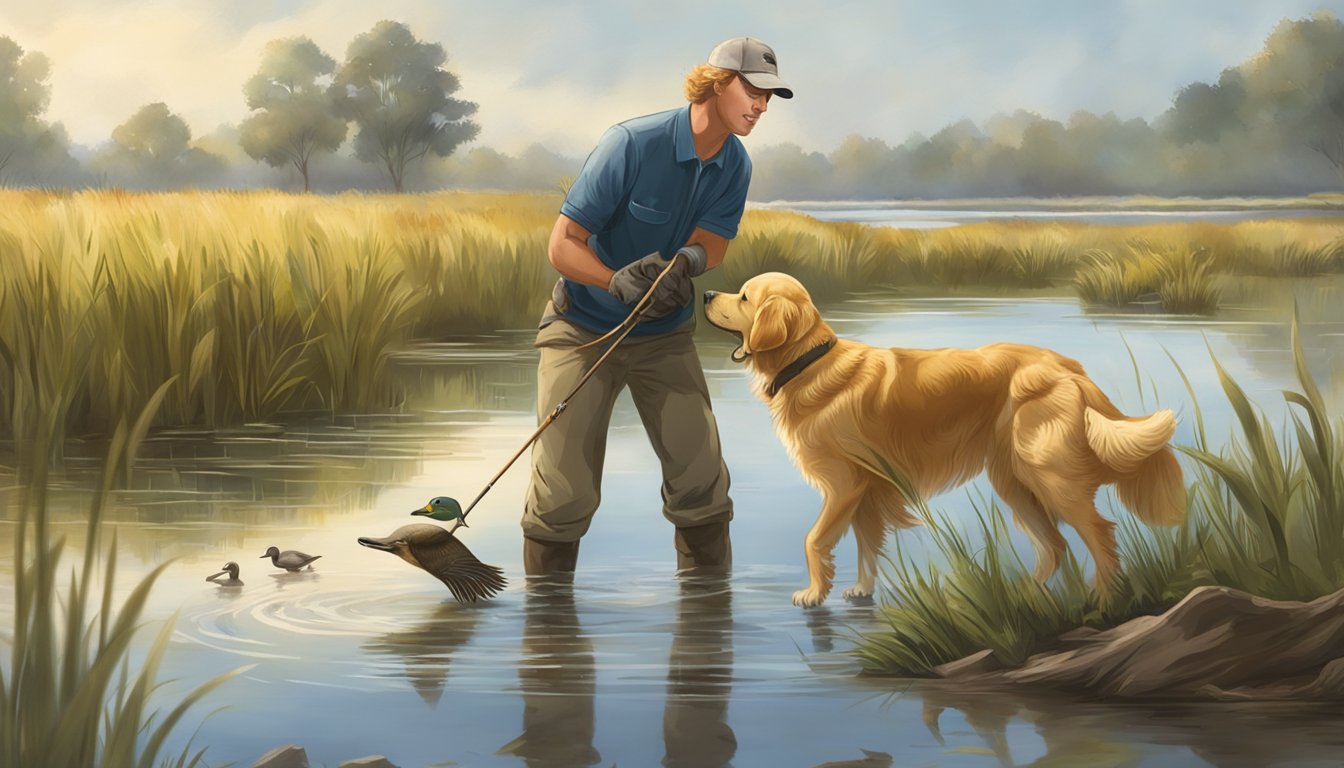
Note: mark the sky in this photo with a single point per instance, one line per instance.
(557, 73)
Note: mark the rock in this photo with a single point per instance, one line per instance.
(372, 761)
(288, 756)
(1216, 643)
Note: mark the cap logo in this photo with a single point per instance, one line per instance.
(769, 59)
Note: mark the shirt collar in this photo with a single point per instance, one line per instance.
(685, 143)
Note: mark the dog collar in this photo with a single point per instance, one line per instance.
(796, 367)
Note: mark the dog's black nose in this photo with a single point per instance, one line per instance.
(709, 295)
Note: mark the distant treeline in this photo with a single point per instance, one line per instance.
(1272, 125)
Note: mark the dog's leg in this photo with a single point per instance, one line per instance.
(837, 513)
(1053, 460)
(881, 508)
(870, 532)
(1098, 534)
(1031, 518)
(1076, 506)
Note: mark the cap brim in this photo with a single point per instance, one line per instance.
(768, 82)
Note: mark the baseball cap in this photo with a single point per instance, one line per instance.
(752, 59)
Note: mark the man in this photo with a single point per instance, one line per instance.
(668, 184)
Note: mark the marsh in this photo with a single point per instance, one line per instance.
(363, 655)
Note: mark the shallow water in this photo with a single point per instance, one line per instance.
(365, 654)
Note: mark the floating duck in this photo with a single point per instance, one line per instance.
(231, 568)
(440, 554)
(291, 560)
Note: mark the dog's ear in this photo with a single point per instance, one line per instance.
(770, 329)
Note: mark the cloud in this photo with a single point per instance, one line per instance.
(558, 73)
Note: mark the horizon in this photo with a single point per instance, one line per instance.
(929, 67)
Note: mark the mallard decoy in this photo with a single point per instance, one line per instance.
(444, 509)
(291, 560)
(440, 554)
(231, 568)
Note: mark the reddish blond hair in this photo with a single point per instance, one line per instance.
(700, 82)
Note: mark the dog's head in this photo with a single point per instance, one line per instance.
(772, 314)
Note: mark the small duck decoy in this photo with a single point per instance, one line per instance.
(439, 553)
(291, 560)
(231, 568)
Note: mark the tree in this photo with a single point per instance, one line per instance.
(1297, 82)
(293, 116)
(153, 148)
(153, 137)
(28, 145)
(786, 172)
(862, 167)
(1203, 112)
(1288, 98)
(396, 91)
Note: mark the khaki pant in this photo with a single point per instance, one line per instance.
(668, 387)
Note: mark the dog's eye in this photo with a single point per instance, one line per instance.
(744, 297)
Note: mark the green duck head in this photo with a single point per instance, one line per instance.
(441, 508)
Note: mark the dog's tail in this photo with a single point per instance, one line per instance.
(1150, 481)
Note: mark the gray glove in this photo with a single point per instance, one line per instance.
(632, 281)
(673, 292)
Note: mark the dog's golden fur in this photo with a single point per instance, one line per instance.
(1045, 432)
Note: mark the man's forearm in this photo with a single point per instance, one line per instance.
(576, 261)
(569, 253)
(715, 246)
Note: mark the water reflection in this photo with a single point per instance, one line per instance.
(1095, 734)
(751, 692)
(558, 676)
(696, 733)
(427, 648)
(870, 759)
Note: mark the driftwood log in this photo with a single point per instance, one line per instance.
(1217, 643)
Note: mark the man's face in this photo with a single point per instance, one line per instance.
(740, 105)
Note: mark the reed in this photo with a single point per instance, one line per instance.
(256, 304)
(259, 304)
(1265, 517)
(1178, 280)
(1274, 502)
(71, 691)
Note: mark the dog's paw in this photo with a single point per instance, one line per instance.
(808, 598)
(859, 593)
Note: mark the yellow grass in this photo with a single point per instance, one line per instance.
(259, 303)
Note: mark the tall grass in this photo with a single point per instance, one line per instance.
(1179, 279)
(1266, 516)
(259, 304)
(256, 304)
(1177, 267)
(70, 692)
(1276, 504)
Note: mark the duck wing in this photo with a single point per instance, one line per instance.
(442, 555)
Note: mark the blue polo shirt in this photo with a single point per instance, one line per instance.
(643, 189)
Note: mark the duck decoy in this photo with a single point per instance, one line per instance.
(439, 553)
(291, 560)
(444, 509)
(231, 568)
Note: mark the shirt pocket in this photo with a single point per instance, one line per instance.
(649, 215)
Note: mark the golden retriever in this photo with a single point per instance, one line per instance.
(1045, 432)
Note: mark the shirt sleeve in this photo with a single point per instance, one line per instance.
(604, 181)
(722, 215)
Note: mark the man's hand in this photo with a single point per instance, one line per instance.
(673, 292)
(632, 281)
